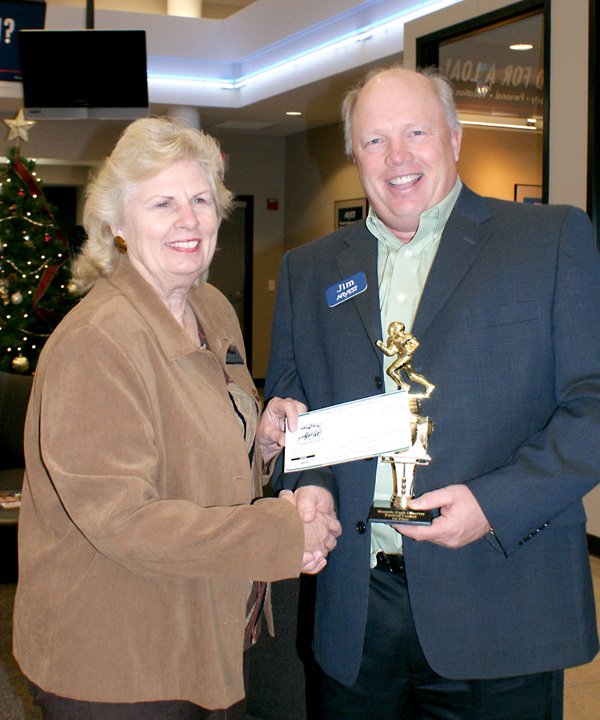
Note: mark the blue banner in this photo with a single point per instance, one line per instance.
(15, 16)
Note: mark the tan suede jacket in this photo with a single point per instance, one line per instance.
(137, 536)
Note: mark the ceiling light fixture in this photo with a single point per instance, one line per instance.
(510, 126)
(293, 113)
(521, 46)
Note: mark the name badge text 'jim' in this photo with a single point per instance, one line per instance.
(346, 289)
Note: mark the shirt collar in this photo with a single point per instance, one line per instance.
(431, 223)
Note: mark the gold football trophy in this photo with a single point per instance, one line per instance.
(403, 344)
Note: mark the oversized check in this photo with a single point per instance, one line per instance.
(350, 431)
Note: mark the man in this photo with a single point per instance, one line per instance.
(475, 615)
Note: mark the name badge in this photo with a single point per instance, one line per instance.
(346, 289)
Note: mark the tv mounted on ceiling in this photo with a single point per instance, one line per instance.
(79, 74)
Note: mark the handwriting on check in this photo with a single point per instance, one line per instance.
(310, 433)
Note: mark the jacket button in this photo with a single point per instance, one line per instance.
(361, 528)
(378, 382)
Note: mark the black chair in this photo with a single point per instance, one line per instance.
(14, 397)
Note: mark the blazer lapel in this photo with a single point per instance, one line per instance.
(360, 255)
(463, 237)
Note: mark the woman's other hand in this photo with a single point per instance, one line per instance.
(270, 434)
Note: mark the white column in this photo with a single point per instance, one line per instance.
(185, 8)
(190, 114)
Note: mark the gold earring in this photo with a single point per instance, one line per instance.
(121, 244)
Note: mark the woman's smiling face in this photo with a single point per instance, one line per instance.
(171, 227)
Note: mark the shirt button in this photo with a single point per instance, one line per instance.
(401, 297)
(408, 253)
(378, 382)
(361, 528)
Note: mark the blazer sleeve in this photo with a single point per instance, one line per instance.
(547, 476)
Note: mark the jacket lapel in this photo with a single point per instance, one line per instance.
(221, 336)
(464, 235)
(360, 255)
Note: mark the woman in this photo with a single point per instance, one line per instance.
(139, 541)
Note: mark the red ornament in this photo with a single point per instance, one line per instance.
(47, 238)
(21, 193)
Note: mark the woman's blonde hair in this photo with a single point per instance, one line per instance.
(146, 147)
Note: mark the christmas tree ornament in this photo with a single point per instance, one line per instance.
(20, 364)
(19, 127)
(16, 298)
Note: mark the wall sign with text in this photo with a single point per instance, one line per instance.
(15, 16)
(349, 211)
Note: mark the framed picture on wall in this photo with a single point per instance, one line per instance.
(528, 194)
(349, 211)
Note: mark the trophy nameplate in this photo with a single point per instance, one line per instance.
(402, 345)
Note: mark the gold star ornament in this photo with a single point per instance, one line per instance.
(19, 127)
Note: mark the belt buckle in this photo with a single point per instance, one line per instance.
(392, 563)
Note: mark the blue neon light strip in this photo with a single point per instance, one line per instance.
(235, 83)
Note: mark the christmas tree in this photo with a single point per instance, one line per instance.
(34, 261)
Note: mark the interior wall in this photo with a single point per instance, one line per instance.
(150, 6)
(569, 106)
(493, 161)
(317, 174)
(256, 166)
(210, 9)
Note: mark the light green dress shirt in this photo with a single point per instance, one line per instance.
(402, 272)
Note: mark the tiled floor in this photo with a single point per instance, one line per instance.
(582, 684)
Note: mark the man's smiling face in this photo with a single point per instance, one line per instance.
(404, 150)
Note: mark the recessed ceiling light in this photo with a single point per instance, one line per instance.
(521, 46)
(294, 113)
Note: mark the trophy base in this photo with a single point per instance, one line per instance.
(385, 513)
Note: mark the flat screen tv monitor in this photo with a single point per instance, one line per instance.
(79, 74)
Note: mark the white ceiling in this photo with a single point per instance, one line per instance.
(256, 35)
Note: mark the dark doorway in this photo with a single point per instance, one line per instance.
(231, 268)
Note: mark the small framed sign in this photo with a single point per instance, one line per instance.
(349, 211)
(528, 194)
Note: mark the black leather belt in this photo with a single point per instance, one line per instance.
(391, 563)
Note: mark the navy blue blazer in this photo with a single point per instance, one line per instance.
(509, 331)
